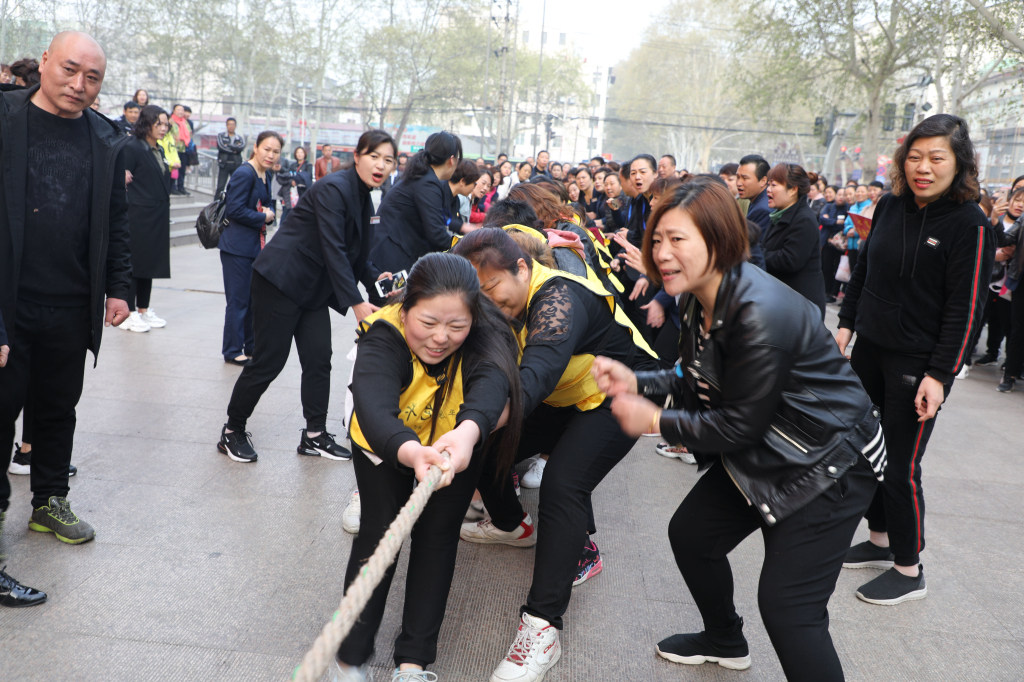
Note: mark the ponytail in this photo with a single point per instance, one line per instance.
(438, 149)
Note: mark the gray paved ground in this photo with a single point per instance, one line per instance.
(204, 569)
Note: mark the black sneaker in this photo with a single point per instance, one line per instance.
(56, 517)
(237, 445)
(868, 555)
(1007, 384)
(21, 463)
(322, 446)
(15, 595)
(987, 359)
(697, 648)
(590, 563)
(892, 587)
(72, 470)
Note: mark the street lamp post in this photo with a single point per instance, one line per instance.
(304, 87)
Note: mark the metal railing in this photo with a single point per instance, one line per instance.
(204, 176)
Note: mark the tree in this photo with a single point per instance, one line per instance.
(865, 42)
(680, 85)
(1005, 21)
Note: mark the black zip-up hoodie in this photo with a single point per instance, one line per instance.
(922, 280)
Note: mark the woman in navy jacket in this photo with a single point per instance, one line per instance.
(314, 262)
(249, 213)
(416, 213)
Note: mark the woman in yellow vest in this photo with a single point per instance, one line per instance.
(561, 322)
(433, 375)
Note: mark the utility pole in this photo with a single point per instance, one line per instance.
(540, 71)
(512, 108)
(487, 68)
(501, 96)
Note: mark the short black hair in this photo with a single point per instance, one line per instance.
(729, 169)
(131, 105)
(188, 109)
(599, 159)
(876, 183)
(510, 212)
(761, 166)
(544, 151)
(670, 158)
(230, 119)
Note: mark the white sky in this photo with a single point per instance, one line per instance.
(610, 27)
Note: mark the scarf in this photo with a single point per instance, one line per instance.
(184, 132)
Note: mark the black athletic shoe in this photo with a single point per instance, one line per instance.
(322, 446)
(237, 445)
(697, 648)
(1007, 384)
(987, 359)
(21, 463)
(892, 587)
(868, 555)
(16, 595)
(72, 470)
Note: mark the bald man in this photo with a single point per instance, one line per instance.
(65, 269)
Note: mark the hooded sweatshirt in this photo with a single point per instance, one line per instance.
(921, 282)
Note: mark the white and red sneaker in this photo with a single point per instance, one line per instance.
(534, 652)
(485, 533)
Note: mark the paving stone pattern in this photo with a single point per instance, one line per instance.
(206, 569)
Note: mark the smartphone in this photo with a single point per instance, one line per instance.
(395, 283)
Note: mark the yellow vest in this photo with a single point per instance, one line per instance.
(577, 385)
(604, 256)
(416, 404)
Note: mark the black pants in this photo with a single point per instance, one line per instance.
(891, 380)
(179, 182)
(276, 321)
(434, 545)
(583, 448)
(140, 293)
(27, 415)
(803, 555)
(238, 333)
(1015, 335)
(48, 345)
(998, 315)
(666, 343)
(829, 263)
(223, 173)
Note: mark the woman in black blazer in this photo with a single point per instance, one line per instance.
(314, 262)
(149, 215)
(416, 213)
(792, 250)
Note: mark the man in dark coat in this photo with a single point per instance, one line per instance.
(60, 265)
(752, 183)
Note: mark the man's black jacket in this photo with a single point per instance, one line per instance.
(787, 415)
(110, 267)
(322, 248)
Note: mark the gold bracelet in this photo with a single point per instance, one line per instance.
(655, 423)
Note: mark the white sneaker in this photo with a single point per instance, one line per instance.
(675, 452)
(534, 652)
(413, 676)
(476, 511)
(150, 318)
(484, 533)
(359, 674)
(353, 512)
(534, 475)
(964, 372)
(134, 323)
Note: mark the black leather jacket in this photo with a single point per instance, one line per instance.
(788, 415)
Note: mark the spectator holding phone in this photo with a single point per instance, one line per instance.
(313, 263)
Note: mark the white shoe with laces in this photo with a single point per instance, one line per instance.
(134, 323)
(675, 452)
(535, 474)
(355, 674)
(150, 318)
(486, 533)
(535, 650)
(413, 676)
(353, 512)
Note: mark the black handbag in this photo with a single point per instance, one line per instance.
(212, 220)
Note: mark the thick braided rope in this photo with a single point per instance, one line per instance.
(320, 655)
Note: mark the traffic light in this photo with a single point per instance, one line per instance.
(889, 117)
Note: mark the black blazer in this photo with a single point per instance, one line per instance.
(321, 249)
(792, 253)
(414, 218)
(110, 269)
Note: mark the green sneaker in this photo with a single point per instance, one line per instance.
(57, 518)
